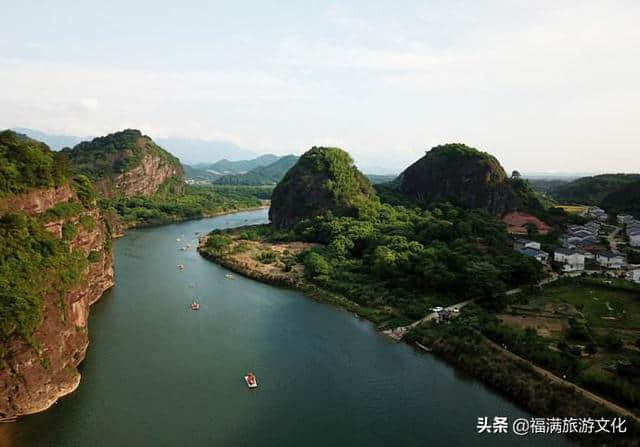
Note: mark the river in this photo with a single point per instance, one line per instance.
(159, 374)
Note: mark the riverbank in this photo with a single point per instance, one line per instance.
(243, 264)
(122, 226)
(472, 354)
(286, 339)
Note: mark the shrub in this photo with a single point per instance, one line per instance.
(612, 342)
(218, 243)
(87, 222)
(316, 265)
(69, 231)
(267, 256)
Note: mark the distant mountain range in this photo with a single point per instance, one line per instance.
(261, 175)
(55, 142)
(186, 149)
(225, 166)
(234, 161)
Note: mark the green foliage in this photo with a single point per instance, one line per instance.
(324, 179)
(69, 231)
(267, 256)
(218, 243)
(194, 202)
(592, 190)
(94, 256)
(114, 154)
(85, 190)
(62, 210)
(624, 200)
(87, 222)
(32, 263)
(316, 265)
(27, 164)
(408, 259)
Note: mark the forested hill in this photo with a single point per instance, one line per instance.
(624, 200)
(466, 177)
(125, 163)
(224, 167)
(323, 180)
(55, 259)
(592, 190)
(26, 163)
(261, 175)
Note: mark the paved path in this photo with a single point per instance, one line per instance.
(613, 245)
(554, 277)
(400, 331)
(548, 374)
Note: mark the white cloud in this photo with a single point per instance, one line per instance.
(551, 86)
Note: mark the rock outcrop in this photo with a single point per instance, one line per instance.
(36, 372)
(323, 180)
(461, 175)
(126, 163)
(36, 201)
(55, 261)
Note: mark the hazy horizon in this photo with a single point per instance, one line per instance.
(545, 87)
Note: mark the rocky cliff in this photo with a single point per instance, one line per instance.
(126, 163)
(465, 177)
(323, 179)
(55, 261)
(38, 369)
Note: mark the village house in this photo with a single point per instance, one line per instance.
(521, 244)
(593, 226)
(624, 218)
(634, 275)
(541, 256)
(571, 260)
(611, 260)
(597, 213)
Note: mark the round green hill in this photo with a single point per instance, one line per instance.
(324, 179)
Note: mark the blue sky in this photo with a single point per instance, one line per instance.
(545, 86)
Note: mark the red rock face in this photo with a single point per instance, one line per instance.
(143, 180)
(37, 201)
(32, 379)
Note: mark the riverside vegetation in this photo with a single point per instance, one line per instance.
(389, 254)
(56, 231)
(33, 261)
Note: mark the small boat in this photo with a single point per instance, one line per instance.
(197, 232)
(229, 276)
(180, 267)
(250, 378)
(183, 248)
(195, 306)
(177, 239)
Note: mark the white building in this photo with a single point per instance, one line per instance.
(611, 260)
(521, 244)
(635, 275)
(572, 261)
(634, 240)
(624, 218)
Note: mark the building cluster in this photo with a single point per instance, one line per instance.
(596, 213)
(581, 237)
(581, 248)
(631, 228)
(531, 248)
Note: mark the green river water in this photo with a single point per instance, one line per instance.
(159, 374)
